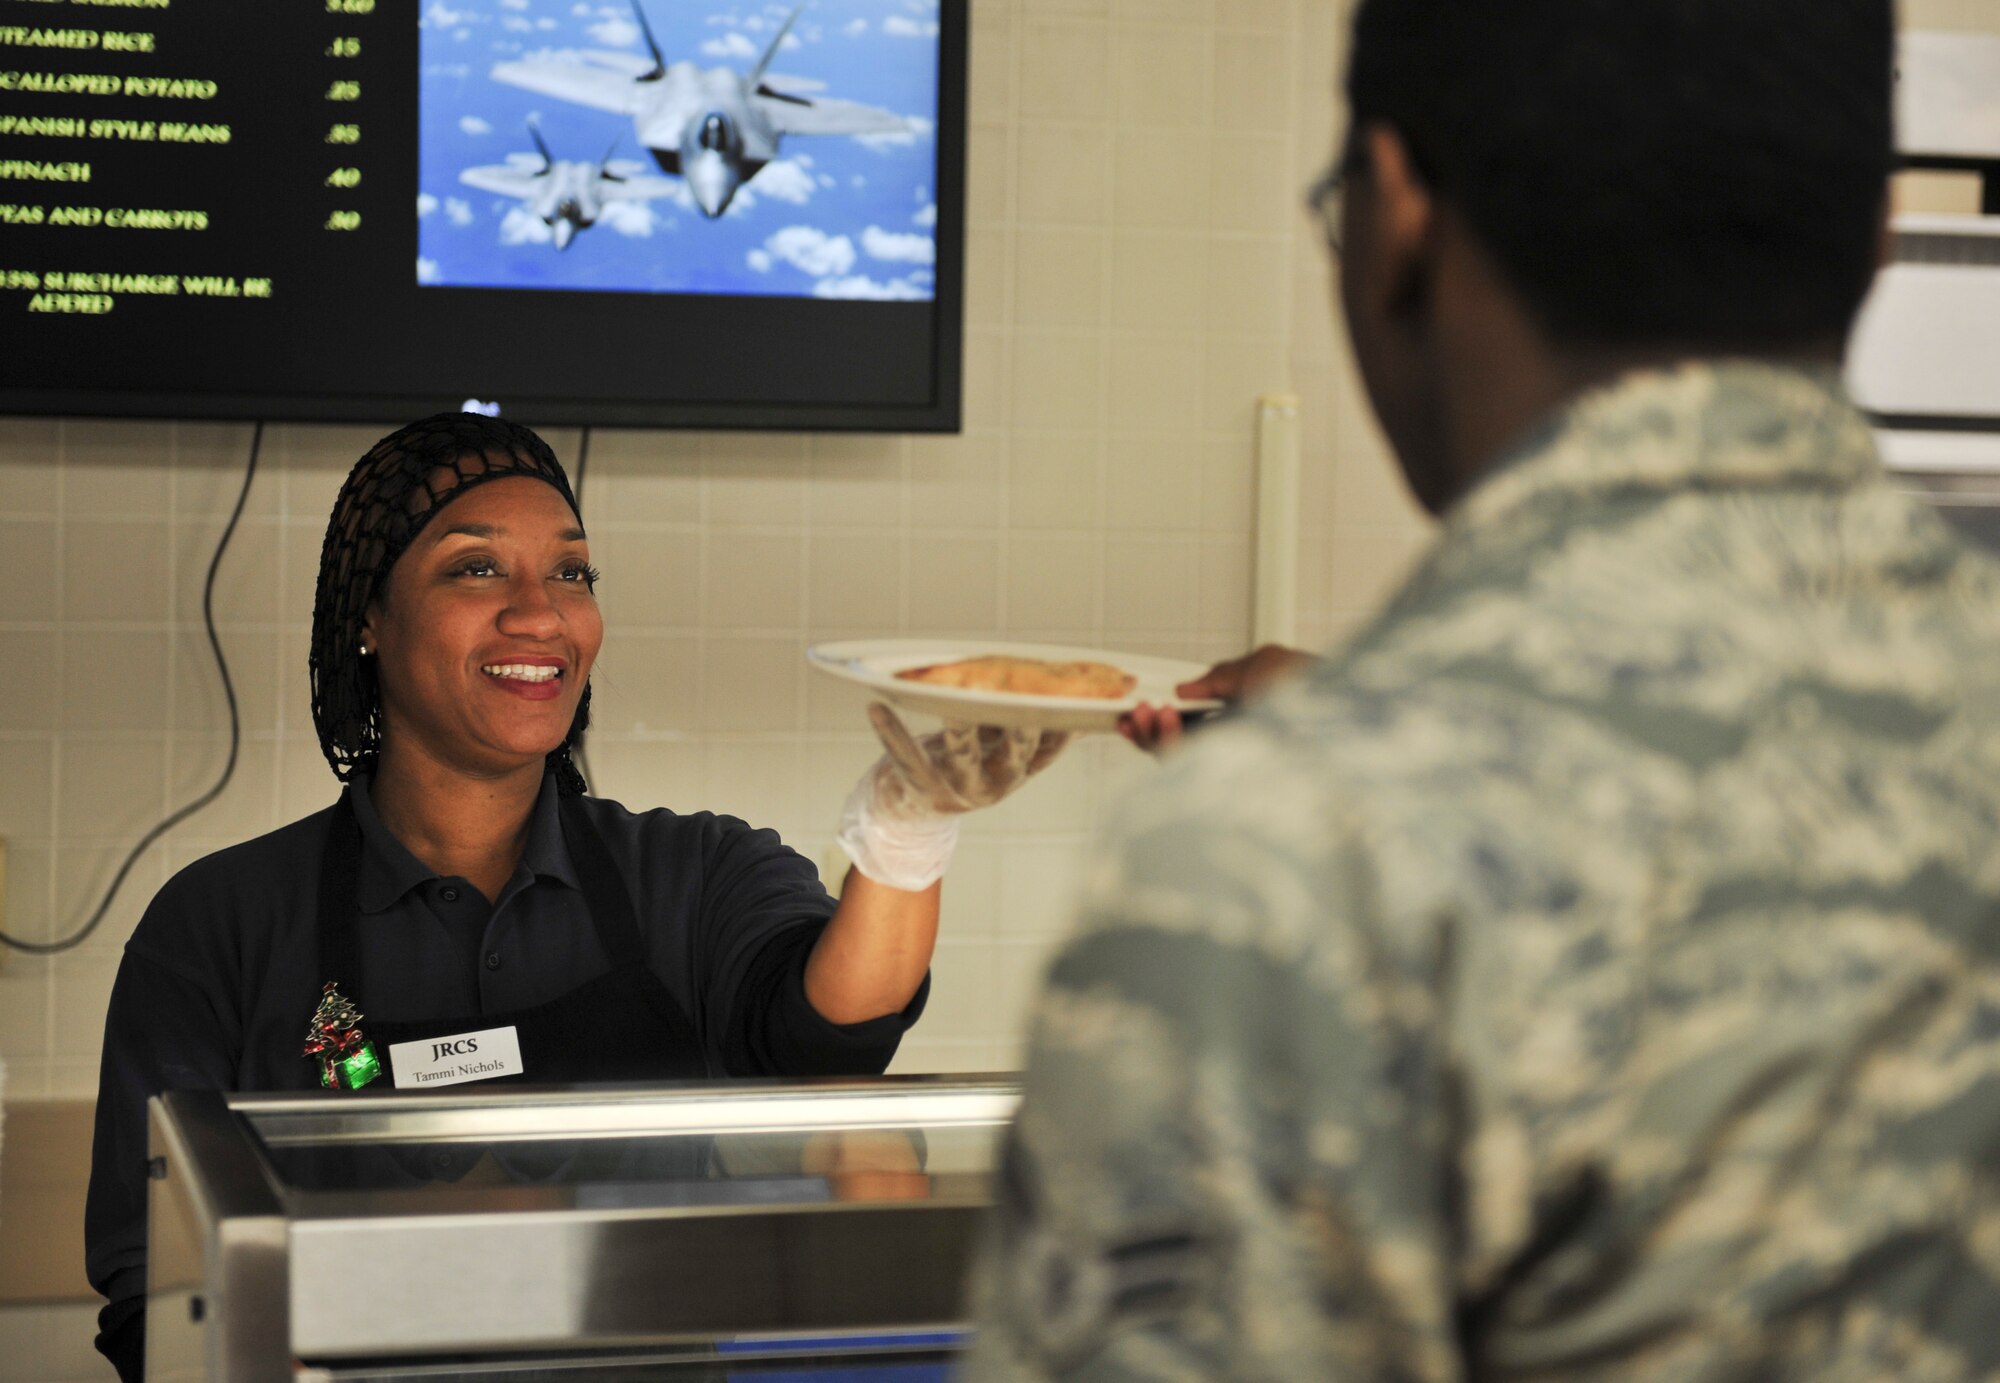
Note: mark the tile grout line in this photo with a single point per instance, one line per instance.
(1010, 291)
(47, 1055)
(1106, 301)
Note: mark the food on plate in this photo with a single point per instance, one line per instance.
(1004, 672)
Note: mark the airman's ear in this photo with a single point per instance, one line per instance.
(1401, 219)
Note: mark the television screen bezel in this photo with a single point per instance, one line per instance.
(942, 413)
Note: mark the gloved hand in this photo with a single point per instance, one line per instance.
(900, 823)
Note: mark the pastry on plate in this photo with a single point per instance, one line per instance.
(1004, 672)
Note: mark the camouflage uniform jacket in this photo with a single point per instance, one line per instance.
(1593, 972)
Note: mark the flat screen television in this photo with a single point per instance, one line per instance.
(717, 213)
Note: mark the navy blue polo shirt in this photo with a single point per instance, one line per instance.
(221, 975)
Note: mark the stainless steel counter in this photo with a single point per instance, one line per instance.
(699, 1230)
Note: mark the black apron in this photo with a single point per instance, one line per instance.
(622, 1026)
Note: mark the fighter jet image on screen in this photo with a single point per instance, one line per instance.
(715, 127)
(567, 196)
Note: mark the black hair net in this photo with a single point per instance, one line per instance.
(391, 493)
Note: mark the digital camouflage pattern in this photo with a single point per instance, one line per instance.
(1591, 973)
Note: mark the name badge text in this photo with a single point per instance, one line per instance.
(467, 1056)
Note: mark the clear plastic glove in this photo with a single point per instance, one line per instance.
(900, 823)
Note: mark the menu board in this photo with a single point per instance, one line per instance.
(369, 208)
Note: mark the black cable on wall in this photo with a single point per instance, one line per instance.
(50, 948)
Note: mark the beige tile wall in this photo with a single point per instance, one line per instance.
(1972, 16)
(1138, 275)
(1359, 529)
(1139, 272)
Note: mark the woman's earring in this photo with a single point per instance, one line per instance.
(364, 650)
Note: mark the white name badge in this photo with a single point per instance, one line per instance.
(438, 1061)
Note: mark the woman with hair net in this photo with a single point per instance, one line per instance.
(466, 889)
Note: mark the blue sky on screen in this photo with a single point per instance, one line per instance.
(831, 216)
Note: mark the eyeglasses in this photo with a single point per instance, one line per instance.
(1323, 200)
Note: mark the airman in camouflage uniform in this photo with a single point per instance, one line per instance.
(1592, 973)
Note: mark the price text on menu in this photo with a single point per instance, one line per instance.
(155, 151)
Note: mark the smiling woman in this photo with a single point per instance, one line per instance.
(466, 892)
(484, 637)
(384, 565)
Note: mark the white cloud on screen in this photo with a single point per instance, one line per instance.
(812, 250)
(901, 139)
(635, 219)
(426, 204)
(615, 32)
(513, 4)
(787, 180)
(927, 217)
(898, 248)
(427, 270)
(855, 28)
(767, 23)
(898, 27)
(472, 124)
(458, 211)
(730, 45)
(760, 260)
(861, 286)
(521, 226)
(515, 24)
(545, 23)
(442, 16)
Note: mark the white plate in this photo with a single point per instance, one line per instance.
(874, 663)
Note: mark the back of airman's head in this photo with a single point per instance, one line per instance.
(1701, 174)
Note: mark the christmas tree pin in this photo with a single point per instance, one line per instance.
(346, 1058)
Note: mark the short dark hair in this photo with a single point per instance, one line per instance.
(1705, 173)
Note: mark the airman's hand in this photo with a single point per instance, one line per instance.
(1154, 728)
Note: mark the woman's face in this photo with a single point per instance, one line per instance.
(486, 631)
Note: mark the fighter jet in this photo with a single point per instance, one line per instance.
(715, 127)
(568, 196)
